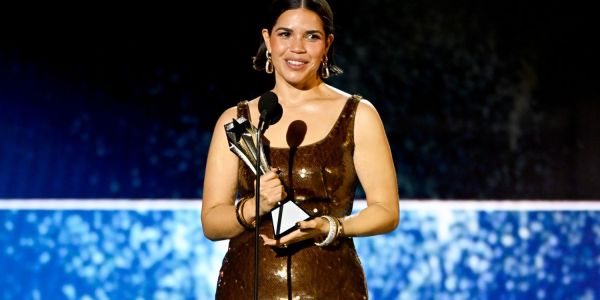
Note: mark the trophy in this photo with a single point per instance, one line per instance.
(241, 136)
(242, 139)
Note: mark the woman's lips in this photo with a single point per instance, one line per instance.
(295, 64)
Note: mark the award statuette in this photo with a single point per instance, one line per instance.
(242, 137)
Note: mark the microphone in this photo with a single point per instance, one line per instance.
(270, 113)
(270, 110)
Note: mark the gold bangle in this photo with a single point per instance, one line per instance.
(253, 224)
(340, 231)
(239, 207)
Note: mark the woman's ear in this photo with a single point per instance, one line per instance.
(329, 42)
(266, 38)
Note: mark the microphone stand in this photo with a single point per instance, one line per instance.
(257, 205)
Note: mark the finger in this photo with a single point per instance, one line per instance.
(267, 240)
(310, 224)
(302, 225)
(297, 236)
(274, 243)
(271, 242)
(272, 183)
(269, 176)
(280, 244)
(274, 194)
(278, 194)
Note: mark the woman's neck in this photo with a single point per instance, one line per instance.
(293, 96)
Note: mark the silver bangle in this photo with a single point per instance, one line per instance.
(332, 234)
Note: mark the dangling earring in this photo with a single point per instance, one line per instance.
(269, 63)
(324, 68)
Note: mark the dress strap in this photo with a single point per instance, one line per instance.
(345, 126)
(243, 110)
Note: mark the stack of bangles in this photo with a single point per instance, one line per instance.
(239, 214)
(335, 230)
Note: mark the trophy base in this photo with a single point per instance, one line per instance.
(285, 216)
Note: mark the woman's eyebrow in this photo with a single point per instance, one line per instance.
(311, 31)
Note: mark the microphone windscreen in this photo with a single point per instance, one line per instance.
(269, 107)
(275, 114)
(267, 102)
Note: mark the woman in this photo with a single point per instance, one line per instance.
(326, 142)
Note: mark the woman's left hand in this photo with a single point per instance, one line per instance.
(306, 230)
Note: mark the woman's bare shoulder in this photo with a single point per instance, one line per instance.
(367, 115)
(227, 115)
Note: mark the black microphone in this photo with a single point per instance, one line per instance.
(270, 113)
(270, 110)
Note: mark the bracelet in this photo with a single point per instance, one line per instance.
(340, 231)
(239, 207)
(332, 234)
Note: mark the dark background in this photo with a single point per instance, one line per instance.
(485, 100)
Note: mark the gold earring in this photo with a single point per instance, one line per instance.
(324, 68)
(269, 63)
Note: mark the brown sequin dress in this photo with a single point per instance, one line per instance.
(321, 179)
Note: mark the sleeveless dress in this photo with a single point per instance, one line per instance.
(320, 178)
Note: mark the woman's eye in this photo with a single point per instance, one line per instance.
(284, 34)
(311, 36)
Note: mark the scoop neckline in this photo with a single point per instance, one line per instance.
(326, 137)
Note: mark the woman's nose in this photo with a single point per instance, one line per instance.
(297, 45)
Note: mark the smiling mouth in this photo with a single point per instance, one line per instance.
(295, 62)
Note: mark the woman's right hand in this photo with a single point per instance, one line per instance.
(272, 191)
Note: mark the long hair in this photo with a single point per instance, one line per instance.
(320, 7)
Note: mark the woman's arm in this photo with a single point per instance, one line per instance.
(220, 185)
(376, 172)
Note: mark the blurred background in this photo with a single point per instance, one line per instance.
(494, 100)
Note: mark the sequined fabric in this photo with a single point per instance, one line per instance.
(321, 179)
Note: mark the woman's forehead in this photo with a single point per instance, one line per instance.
(299, 18)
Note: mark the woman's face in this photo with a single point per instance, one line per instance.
(298, 45)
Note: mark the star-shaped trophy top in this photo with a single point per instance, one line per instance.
(241, 136)
(236, 128)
